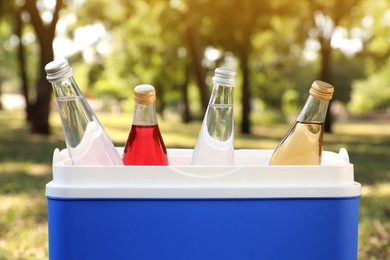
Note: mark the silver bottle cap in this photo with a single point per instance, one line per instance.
(58, 70)
(225, 76)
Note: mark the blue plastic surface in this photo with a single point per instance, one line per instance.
(318, 228)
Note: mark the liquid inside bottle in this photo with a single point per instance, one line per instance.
(86, 139)
(144, 146)
(73, 113)
(302, 145)
(219, 123)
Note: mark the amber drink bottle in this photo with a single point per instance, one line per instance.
(302, 145)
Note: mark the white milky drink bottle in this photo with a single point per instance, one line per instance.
(214, 145)
(86, 141)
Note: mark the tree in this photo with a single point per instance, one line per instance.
(148, 45)
(326, 16)
(10, 23)
(24, 13)
(196, 51)
(372, 93)
(45, 33)
(6, 53)
(230, 26)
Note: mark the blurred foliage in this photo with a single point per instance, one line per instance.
(146, 41)
(373, 93)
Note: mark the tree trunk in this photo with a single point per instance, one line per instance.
(45, 34)
(41, 108)
(196, 53)
(160, 104)
(1, 93)
(245, 101)
(185, 111)
(22, 64)
(326, 75)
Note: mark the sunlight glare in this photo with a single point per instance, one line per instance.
(47, 16)
(88, 35)
(212, 53)
(310, 52)
(28, 38)
(367, 21)
(348, 45)
(386, 18)
(83, 38)
(49, 4)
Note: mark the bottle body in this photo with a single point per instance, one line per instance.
(302, 145)
(145, 145)
(86, 140)
(215, 143)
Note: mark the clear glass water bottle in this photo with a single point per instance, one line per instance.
(302, 145)
(214, 145)
(86, 140)
(145, 145)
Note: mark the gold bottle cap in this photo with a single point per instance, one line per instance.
(144, 94)
(321, 90)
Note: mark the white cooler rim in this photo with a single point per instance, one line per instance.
(250, 177)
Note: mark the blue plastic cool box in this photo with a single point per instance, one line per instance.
(246, 211)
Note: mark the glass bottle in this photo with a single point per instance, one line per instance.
(302, 145)
(214, 145)
(86, 140)
(145, 145)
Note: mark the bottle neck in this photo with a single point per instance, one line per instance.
(222, 95)
(145, 115)
(66, 87)
(314, 110)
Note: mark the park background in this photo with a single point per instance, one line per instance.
(277, 47)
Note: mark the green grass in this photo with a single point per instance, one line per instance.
(25, 168)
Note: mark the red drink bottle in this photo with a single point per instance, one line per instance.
(145, 145)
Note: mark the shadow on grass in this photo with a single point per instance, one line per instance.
(374, 237)
(20, 182)
(36, 149)
(369, 154)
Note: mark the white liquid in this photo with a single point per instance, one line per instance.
(215, 141)
(94, 148)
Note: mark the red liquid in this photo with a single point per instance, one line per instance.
(145, 146)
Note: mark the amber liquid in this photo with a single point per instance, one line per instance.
(145, 146)
(302, 145)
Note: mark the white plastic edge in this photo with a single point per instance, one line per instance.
(251, 177)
